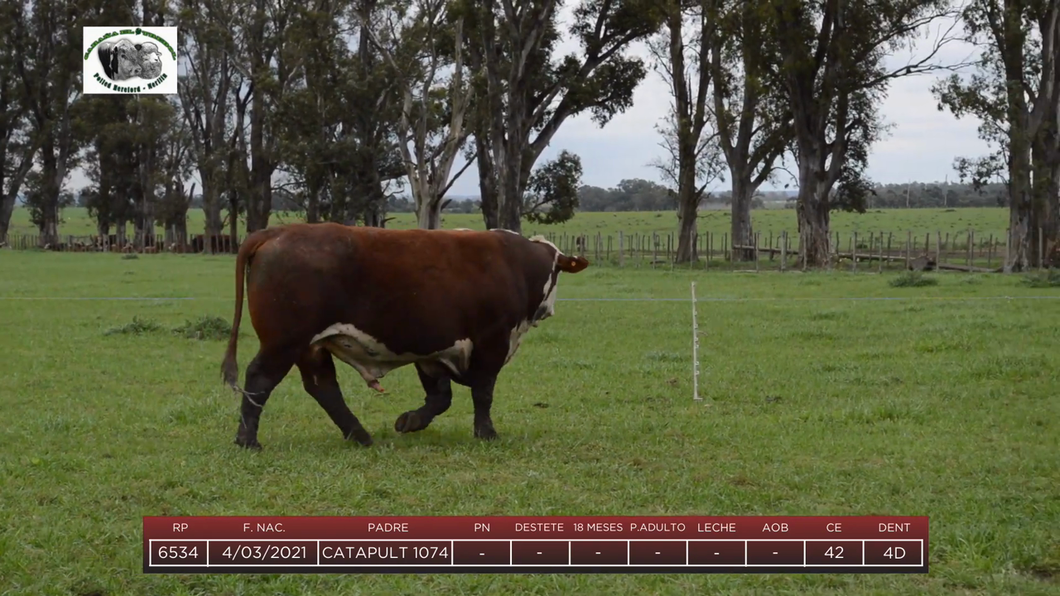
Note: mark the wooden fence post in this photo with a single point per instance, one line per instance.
(854, 253)
(1008, 247)
(879, 249)
(1041, 249)
(908, 248)
(757, 234)
(784, 251)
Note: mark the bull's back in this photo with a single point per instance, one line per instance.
(418, 289)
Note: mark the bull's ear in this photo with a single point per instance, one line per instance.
(572, 264)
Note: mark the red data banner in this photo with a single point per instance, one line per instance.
(470, 528)
(647, 544)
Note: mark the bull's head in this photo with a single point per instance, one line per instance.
(150, 60)
(561, 262)
(120, 59)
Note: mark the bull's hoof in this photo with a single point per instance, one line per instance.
(361, 436)
(245, 443)
(485, 433)
(410, 422)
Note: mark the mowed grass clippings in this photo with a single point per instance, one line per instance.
(931, 400)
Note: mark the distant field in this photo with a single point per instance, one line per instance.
(984, 221)
(825, 394)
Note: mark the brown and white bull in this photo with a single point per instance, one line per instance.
(454, 304)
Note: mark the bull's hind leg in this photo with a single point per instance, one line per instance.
(264, 373)
(319, 379)
(439, 397)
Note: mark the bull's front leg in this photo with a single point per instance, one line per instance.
(439, 397)
(482, 397)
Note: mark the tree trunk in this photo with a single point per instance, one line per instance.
(259, 201)
(686, 216)
(10, 184)
(742, 232)
(49, 229)
(487, 184)
(180, 224)
(312, 204)
(7, 208)
(1049, 217)
(376, 215)
(1021, 213)
(48, 220)
(1046, 163)
(429, 214)
(233, 217)
(511, 210)
(211, 202)
(813, 212)
(138, 231)
(687, 206)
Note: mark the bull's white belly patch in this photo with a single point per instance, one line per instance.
(515, 338)
(373, 359)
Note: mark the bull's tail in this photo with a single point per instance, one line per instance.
(229, 368)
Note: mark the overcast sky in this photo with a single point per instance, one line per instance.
(921, 146)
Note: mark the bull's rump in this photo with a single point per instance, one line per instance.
(418, 293)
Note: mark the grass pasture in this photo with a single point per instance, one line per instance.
(985, 221)
(825, 393)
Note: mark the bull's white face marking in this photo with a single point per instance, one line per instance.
(373, 359)
(549, 291)
(547, 308)
(150, 60)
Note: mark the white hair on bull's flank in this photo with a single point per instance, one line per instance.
(504, 230)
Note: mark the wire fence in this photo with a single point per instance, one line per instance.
(640, 299)
(970, 251)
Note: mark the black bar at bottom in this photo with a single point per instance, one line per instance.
(365, 569)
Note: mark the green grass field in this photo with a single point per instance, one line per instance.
(939, 402)
(985, 221)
